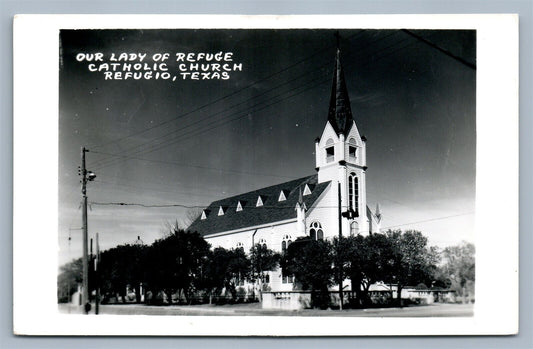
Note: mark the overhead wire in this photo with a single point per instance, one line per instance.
(225, 120)
(224, 97)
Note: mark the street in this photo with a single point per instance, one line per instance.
(254, 309)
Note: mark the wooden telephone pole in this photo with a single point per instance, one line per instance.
(86, 176)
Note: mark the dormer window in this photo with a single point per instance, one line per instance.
(204, 215)
(260, 200)
(307, 190)
(222, 210)
(283, 195)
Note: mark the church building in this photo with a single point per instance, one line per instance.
(275, 216)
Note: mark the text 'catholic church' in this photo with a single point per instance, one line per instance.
(277, 215)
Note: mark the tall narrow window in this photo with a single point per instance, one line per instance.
(353, 189)
(350, 191)
(284, 246)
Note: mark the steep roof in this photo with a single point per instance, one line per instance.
(251, 215)
(340, 112)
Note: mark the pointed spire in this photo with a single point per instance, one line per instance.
(340, 112)
(378, 212)
(300, 204)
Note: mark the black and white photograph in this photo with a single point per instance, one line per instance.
(286, 173)
(267, 172)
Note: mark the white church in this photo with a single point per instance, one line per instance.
(275, 216)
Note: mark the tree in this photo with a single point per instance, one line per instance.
(460, 267)
(68, 279)
(262, 259)
(191, 215)
(342, 251)
(224, 270)
(238, 270)
(122, 266)
(175, 262)
(370, 260)
(214, 272)
(311, 263)
(412, 262)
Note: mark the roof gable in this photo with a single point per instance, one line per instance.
(283, 194)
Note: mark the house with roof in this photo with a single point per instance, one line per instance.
(310, 206)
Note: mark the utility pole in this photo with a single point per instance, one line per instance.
(85, 284)
(341, 296)
(86, 176)
(97, 276)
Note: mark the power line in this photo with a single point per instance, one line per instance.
(225, 121)
(153, 189)
(224, 97)
(440, 49)
(269, 207)
(195, 166)
(430, 220)
(247, 110)
(142, 205)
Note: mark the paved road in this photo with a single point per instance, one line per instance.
(434, 310)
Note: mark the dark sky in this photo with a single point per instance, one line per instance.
(191, 142)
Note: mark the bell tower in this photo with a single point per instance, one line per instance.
(341, 155)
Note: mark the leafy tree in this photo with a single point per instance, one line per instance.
(70, 276)
(262, 259)
(175, 262)
(370, 259)
(460, 268)
(412, 262)
(214, 272)
(122, 266)
(311, 262)
(238, 270)
(342, 250)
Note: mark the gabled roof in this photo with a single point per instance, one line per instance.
(271, 211)
(340, 112)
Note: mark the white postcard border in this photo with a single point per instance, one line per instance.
(36, 182)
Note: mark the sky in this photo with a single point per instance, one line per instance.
(190, 142)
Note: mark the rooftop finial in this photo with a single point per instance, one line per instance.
(338, 37)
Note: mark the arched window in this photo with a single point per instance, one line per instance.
(353, 192)
(354, 228)
(240, 245)
(263, 243)
(285, 243)
(316, 232)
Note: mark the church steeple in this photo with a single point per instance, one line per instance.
(340, 112)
